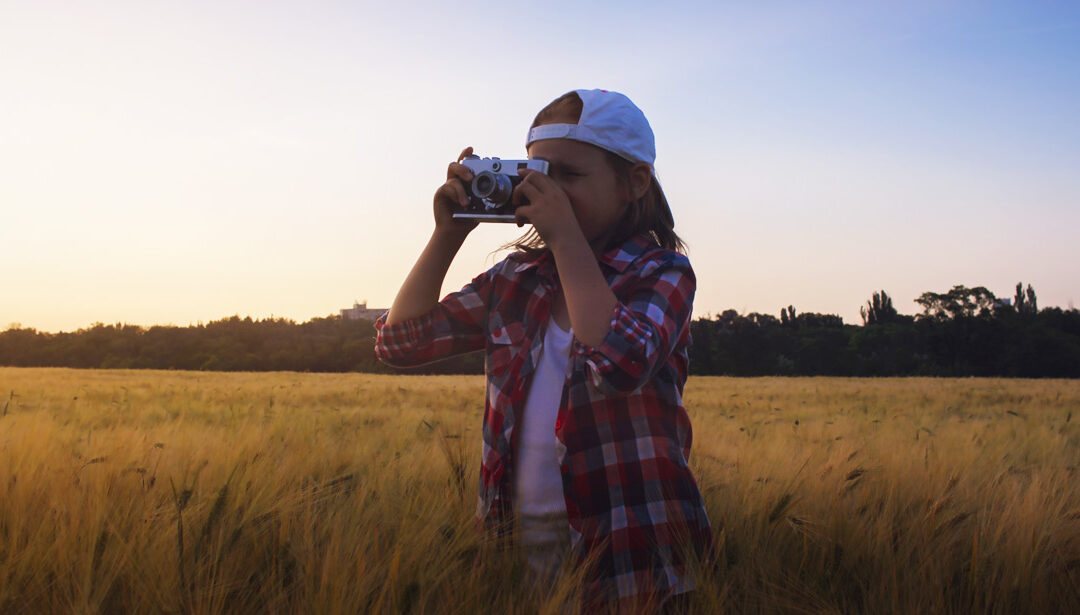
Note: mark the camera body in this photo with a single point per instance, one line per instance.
(493, 183)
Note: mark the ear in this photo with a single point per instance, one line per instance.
(640, 179)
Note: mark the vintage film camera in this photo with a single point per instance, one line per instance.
(493, 182)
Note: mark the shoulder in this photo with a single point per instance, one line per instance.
(525, 263)
(511, 279)
(661, 259)
(508, 268)
(641, 257)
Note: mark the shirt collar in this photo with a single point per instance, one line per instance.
(618, 258)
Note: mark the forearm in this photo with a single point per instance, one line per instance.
(420, 291)
(589, 300)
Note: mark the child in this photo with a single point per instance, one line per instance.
(585, 329)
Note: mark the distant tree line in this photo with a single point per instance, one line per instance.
(961, 332)
(330, 344)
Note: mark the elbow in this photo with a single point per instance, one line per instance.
(392, 358)
(396, 345)
(386, 358)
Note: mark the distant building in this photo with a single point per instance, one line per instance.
(360, 311)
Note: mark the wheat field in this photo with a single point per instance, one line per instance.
(191, 492)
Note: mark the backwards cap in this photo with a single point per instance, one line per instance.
(610, 121)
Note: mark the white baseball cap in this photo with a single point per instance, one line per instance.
(610, 121)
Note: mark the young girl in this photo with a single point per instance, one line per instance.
(585, 328)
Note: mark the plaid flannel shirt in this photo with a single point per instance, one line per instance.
(623, 434)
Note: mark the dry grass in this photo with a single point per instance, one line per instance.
(134, 491)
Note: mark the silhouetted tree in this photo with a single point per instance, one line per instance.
(787, 316)
(878, 310)
(958, 302)
(1025, 302)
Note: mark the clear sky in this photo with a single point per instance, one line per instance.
(170, 163)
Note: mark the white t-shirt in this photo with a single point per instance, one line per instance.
(537, 480)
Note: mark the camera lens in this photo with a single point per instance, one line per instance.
(483, 184)
(494, 189)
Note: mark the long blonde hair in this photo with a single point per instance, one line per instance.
(650, 215)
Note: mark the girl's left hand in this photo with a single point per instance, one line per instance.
(541, 202)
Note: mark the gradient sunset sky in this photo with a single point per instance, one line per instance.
(170, 163)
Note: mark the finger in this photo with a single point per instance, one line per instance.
(459, 193)
(465, 152)
(459, 171)
(533, 175)
(525, 192)
(455, 191)
(542, 181)
(520, 218)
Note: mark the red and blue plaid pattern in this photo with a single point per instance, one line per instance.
(632, 503)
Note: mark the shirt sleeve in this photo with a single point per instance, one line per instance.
(648, 324)
(456, 325)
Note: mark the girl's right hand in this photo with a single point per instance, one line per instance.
(451, 197)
